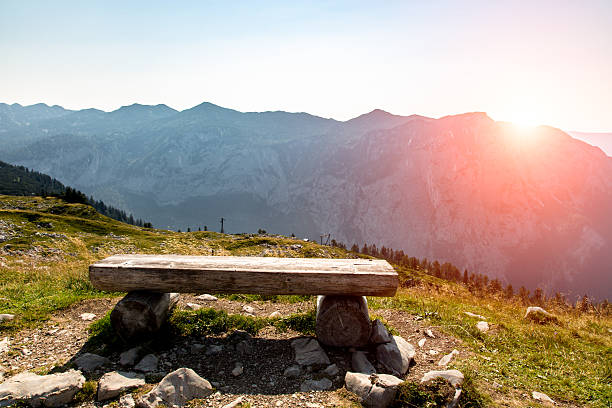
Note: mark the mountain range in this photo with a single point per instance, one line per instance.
(531, 208)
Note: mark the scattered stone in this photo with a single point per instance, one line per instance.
(293, 371)
(316, 385)
(115, 383)
(482, 326)
(275, 314)
(447, 358)
(379, 333)
(475, 315)
(5, 345)
(540, 396)
(88, 316)
(54, 390)
(26, 352)
(361, 364)
(176, 388)
(396, 356)
(148, 364)
(244, 347)
(234, 403)
(5, 316)
(207, 298)
(454, 377)
(376, 390)
(214, 349)
(197, 348)
(193, 306)
(238, 370)
(239, 335)
(422, 342)
(248, 309)
(127, 401)
(433, 352)
(539, 315)
(88, 362)
(430, 333)
(497, 385)
(331, 370)
(309, 352)
(128, 358)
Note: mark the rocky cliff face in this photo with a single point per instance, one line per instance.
(530, 208)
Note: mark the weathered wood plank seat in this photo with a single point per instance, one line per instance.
(236, 274)
(342, 312)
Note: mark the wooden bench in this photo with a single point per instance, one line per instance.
(153, 280)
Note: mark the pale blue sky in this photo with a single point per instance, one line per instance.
(528, 61)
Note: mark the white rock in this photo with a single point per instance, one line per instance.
(128, 358)
(376, 390)
(455, 377)
(396, 356)
(482, 326)
(176, 388)
(379, 333)
(6, 316)
(447, 358)
(238, 370)
(52, 390)
(193, 306)
(276, 314)
(538, 314)
(248, 309)
(430, 333)
(88, 362)
(293, 371)
(361, 364)
(5, 345)
(148, 364)
(331, 370)
(115, 383)
(88, 316)
(539, 396)
(207, 298)
(316, 385)
(234, 403)
(433, 352)
(422, 342)
(308, 352)
(127, 401)
(475, 315)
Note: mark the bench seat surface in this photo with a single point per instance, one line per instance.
(236, 274)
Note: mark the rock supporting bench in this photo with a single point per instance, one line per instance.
(153, 280)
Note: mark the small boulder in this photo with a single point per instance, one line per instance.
(422, 342)
(475, 315)
(444, 361)
(430, 333)
(127, 401)
(148, 364)
(88, 316)
(539, 315)
(128, 358)
(396, 356)
(214, 349)
(361, 364)
(88, 362)
(308, 352)
(316, 385)
(454, 377)
(115, 383)
(540, 396)
(176, 388)
(193, 306)
(376, 390)
(207, 298)
(331, 370)
(54, 390)
(244, 347)
(5, 316)
(293, 371)
(197, 348)
(238, 370)
(275, 314)
(482, 326)
(379, 333)
(248, 309)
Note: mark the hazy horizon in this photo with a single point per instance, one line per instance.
(337, 60)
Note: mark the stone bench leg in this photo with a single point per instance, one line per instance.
(141, 313)
(343, 321)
